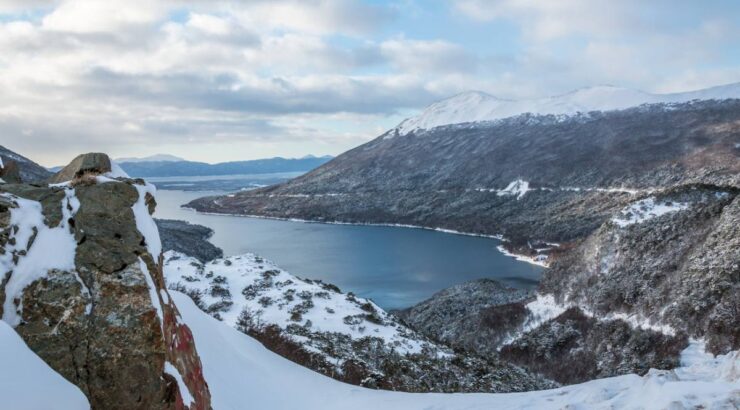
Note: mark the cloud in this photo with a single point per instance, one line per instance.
(93, 16)
(550, 20)
(437, 56)
(320, 17)
(279, 76)
(15, 6)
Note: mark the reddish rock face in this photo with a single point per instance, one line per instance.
(107, 325)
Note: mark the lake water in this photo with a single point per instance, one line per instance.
(396, 267)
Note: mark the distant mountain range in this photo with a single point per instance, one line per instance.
(165, 165)
(152, 158)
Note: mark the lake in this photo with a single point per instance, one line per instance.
(395, 267)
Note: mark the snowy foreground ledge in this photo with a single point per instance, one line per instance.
(27, 383)
(241, 372)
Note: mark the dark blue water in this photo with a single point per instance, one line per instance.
(396, 267)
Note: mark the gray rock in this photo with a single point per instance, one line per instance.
(93, 163)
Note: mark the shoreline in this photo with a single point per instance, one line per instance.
(500, 247)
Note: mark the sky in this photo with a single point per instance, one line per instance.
(234, 80)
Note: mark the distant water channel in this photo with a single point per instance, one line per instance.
(396, 267)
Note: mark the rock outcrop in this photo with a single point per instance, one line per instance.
(80, 264)
(187, 238)
(92, 163)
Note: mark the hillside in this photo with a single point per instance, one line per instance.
(29, 170)
(337, 334)
(525, 177)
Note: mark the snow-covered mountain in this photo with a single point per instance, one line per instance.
(476, 106)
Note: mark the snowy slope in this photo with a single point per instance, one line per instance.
(474, 106)
(241, 372)
(347, 337)
(27, 383)
(273, 296)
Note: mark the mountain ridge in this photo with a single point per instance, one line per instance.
(478, 106)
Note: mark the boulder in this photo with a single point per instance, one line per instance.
(94, 163)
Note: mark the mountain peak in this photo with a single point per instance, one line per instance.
(478, 106)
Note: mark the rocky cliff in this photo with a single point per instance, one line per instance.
(81, 283)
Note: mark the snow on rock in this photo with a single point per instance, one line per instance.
(27, 383)
(116, 171)
(240, 370)
(53, 248)
(645, 210)
(144, 221)
(152, 292)
(476, 106)
(272, 296)
(516, 188)
(187, 398)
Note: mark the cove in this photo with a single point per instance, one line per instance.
(394, 266)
